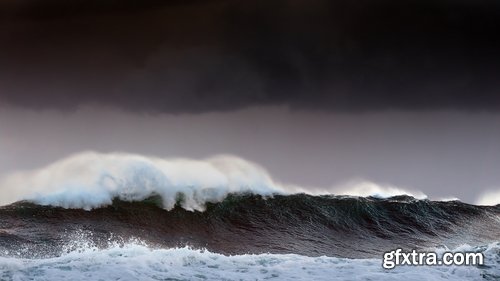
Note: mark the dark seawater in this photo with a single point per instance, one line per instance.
(149, 232)
(333, 226)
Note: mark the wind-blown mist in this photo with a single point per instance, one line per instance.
(90, 180)
(489, 198)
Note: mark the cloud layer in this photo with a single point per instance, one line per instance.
(199, 56)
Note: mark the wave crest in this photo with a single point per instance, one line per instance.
(363, 188)
(89, 180)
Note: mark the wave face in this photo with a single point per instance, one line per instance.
(292, 224)
(245, 237)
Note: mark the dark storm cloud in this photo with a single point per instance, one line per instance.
(196, 56)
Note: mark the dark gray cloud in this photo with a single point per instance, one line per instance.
(197, 56)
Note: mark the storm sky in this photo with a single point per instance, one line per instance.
(319, 92)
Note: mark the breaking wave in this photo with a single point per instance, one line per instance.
(90, 180)
(128, 217)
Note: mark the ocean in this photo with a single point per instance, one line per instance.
(245, 237)
(128, 217)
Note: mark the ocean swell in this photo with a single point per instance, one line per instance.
(91, 180)
(300, 223)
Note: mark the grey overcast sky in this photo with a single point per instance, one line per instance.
(319, 92)
(443, 154)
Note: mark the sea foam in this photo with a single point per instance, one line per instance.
(90, 180)
(135, 261)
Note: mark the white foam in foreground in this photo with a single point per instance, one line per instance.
(89, 180)
(138, 262)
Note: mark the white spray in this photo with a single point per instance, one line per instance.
(90, 180)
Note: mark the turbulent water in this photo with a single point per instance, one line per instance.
(121, 216)
(244, 237)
